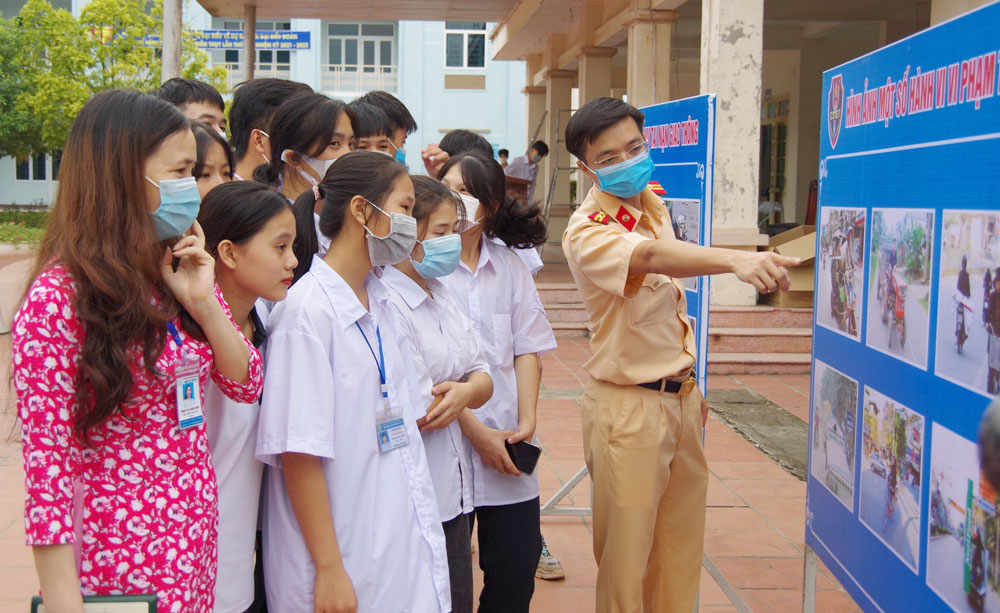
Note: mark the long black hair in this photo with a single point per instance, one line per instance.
(304, 123)
(360, 173)
(517, 225)
(237, 211)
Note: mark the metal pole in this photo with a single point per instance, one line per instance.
(809, 581)
(249, 40)
(171, 52)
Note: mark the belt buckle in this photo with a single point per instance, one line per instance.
(687, 386)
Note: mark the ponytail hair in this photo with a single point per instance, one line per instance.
(519, 226)
(304, 123)
(368, 174)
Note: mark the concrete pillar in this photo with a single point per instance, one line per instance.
(595, 82)
(943, 10)
(535, 99)
(249, 41)
(649, 69)
(170, 66)
(731, 57)
(558, 96)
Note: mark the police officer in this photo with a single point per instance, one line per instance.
(643, 414)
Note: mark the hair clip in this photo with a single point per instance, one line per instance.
(316, 192)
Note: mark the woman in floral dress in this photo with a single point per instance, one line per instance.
(122, 307)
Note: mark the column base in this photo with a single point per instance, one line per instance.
(727, 290)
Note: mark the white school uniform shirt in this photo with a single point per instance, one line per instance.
(442, 347)
(324, 241)
(321, 399)
(508, 318)
(529, 256)
(231, 428)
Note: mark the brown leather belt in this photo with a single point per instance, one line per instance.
(681, 388)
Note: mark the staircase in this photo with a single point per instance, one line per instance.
(564, 308)
(741, 340)
(759, 340)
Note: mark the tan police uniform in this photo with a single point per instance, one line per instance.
(642, 446)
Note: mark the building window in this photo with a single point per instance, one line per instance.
(465, 44)
(360, 57)
(34, 168)
(361, 47)
(773, 148)
(269, 63)
(22, 168)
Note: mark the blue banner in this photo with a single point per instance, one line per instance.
(906, 334)
(264, 40)
(681, 137)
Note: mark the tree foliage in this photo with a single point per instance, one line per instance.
(57, 62)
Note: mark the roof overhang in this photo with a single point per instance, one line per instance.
(365, 10)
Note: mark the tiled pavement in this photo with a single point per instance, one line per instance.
(755, 515)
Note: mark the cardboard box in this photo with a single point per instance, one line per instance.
(798, 242)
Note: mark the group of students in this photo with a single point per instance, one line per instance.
(363, 345)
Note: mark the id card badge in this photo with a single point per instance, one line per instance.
(188, 377)
(389, 427)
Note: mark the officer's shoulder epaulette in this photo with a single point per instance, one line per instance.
(600, 217)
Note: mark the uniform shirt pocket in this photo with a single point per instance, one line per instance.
(652, 303)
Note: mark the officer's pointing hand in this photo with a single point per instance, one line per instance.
(765, 270)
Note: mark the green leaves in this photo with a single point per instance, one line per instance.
(51, 63)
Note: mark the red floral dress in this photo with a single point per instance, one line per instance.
(139, 503)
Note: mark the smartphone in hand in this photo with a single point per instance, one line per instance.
(524, 455)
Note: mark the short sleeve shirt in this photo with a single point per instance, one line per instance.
(508, 320)
(321, 398)
(639, 326)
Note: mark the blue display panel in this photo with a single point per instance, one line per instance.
(681, 137)
(907, 252)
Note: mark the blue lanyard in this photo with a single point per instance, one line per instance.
(175, 334)
(379, 361)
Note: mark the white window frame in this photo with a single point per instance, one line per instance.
(31, 169)
(361, 38)
(465, 49)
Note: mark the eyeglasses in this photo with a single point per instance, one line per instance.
(630, 153)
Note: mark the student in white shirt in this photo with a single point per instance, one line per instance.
(249, 230)
(349, 523)
(451, 371)
(495, 289)
(307, 134)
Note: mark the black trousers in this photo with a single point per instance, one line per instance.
(456, 538)
(510, 542)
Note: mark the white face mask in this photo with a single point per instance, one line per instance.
(319, 166)
(471, 206)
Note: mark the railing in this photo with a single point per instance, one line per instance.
(358, 79)
(235, 74)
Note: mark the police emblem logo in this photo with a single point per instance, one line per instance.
(835, 110)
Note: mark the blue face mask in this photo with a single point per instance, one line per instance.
(400, 154)
(179, 206)
(625, 179)
(441, 256)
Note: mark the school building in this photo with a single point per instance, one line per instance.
(507, 68)
(443, 71)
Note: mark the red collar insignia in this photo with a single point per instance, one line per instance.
(600, 217)
(625, 218)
